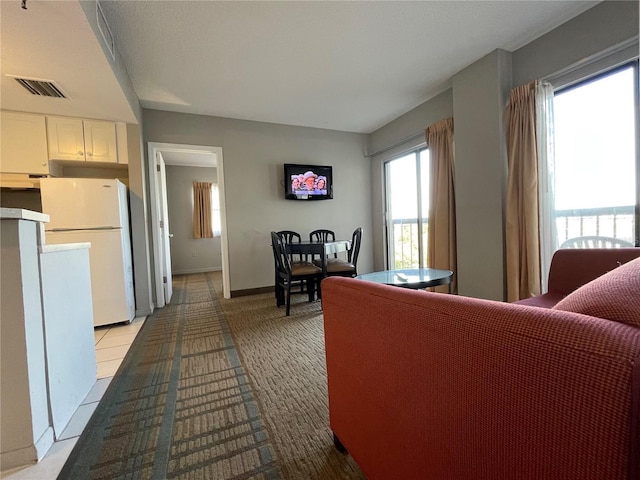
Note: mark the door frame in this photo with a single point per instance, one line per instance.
(165, 235)
(156, 238)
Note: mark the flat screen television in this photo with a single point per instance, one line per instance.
(308, 182)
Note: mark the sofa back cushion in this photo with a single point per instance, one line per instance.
(572, 268)
(614, 296)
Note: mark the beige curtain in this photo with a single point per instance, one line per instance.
(441, 243)
(202, 210)
(522, 221)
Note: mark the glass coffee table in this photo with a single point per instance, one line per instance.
(415, 278)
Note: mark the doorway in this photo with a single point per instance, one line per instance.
(186, 155)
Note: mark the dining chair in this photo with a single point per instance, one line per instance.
(289, 236)
(287, 273)
(347, 268)
(322, 235)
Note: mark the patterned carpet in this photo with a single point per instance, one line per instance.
(228, 389)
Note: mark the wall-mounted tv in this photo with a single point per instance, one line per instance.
(308, 182)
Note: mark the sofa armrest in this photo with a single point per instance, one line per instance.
(573, 267)
(428, 385)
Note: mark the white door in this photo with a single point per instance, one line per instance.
(165, 236)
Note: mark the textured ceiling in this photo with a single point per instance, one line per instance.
(342, 65)
(345, 65)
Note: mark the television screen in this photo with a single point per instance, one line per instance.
(308, 182)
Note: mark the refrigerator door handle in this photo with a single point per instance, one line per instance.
(81, 229)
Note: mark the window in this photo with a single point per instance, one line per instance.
(596, 165)
(206, 210)
(407, 192)
(215, 210)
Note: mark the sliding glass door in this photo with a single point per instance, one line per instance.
(596, 159)
(407, 201)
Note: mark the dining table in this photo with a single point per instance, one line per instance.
(322, 249)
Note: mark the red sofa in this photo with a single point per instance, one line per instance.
(434, 386)
(573, 267)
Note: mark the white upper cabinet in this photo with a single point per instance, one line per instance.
(82, 140)
(123, 144)
(65, 138)
(24, 143)
(100, 141)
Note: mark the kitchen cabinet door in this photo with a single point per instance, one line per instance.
(100, 141)
(24, 144)
(82, 140)
(65, 138)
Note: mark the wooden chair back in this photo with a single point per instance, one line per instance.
(289, 236)
(356, 240)
(323, 235)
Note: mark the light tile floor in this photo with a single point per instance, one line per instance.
(112, 343)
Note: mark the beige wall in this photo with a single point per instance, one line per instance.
(480, 94)
(476, 101)
(600, 29)
(117, 65)
(140, 237)
(254, 154)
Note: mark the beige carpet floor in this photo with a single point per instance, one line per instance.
(216, 389)
(284, 357)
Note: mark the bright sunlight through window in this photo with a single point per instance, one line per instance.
(595, 160)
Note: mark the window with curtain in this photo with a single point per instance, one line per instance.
(596, 168)
(202, 210)
(215, 210)
(407, 200)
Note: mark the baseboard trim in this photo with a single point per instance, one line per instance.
(144, 313)
(250, 291)
(28, 455)
(197, 270)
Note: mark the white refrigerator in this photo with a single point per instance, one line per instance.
(95, 210)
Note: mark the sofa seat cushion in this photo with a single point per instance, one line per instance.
(547, 300)
(614, 296)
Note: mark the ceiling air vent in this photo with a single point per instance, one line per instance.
(44, 88)
(105, 31)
